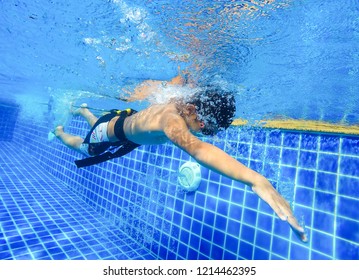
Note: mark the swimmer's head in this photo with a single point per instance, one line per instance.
(215, 108)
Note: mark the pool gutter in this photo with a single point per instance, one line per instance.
(302, 125)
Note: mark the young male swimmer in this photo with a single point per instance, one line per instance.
(179, 121)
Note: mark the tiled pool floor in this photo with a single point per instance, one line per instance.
(41, 219)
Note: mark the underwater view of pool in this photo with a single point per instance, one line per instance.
(284, 60)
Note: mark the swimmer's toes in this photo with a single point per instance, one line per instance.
(77, 111)
(58, 130)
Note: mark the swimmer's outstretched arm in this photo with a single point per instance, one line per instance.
(220, 162)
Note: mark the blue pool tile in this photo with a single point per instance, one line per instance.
(318, 256)
(21, 252)
(326, 182)
(62, 256)
(221, 222)
(233, 227)
(260, 254)
(291, 140)
(265, 222)
(182, 251)
(258, 152)
(218, 237)
(207, 232)
(306, 178)
(243, 150)
(304, 196)
(251, 200)
(229, 256)
(275, 138)
(259, 136)
(265, 208)
(225, 192)
(179, 205)
(246, 136)
(222, 207)
(245, 250)
(345, 250)
(17, 245)
(328, 162)
(211, 203)
(203, 257)
(287, 174)
(196, 227)
(5, 255)
(273, 155)
(324, 202)
(184, 237)
(307, 159)
(177, 218)
(248, 233)
(231, 244)
(171, 255)
(188, 210)
(198, 213)
(329, 143)
(216, 253)
(192, 254)
(205, 247)
(164, 240)
(263, 240)
(280, 247)
(271, 171)
(200, 199)
(289, 157)
(348, 207)
(235, 211)
(324, 222)
(209, 218)
(322, 242)
(349, 186)
(281, 228)
(348, 229)
(349, 166)
(213, 187)
(298, 252)
(250, 217)
(237, 195)
(256, 165)
(350, 146)
(276, 257)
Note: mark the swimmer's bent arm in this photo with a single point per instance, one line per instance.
(148, 87)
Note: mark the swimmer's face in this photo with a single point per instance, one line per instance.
(198, 126)
(194, 124)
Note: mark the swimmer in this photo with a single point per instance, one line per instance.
(180, 122)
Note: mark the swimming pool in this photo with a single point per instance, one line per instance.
(133, 207)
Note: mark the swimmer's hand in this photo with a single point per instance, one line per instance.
(279, 205)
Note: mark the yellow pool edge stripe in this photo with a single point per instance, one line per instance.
(302, 125)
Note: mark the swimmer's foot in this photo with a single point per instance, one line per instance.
(55, 133)
(79, 111)
(58, 130)
(51, 136)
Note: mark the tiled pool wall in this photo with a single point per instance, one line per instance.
(8, 111)
(140, 194)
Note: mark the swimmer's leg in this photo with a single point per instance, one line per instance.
(71, 141)
(86, 113)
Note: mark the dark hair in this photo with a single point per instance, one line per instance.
(216, 108)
